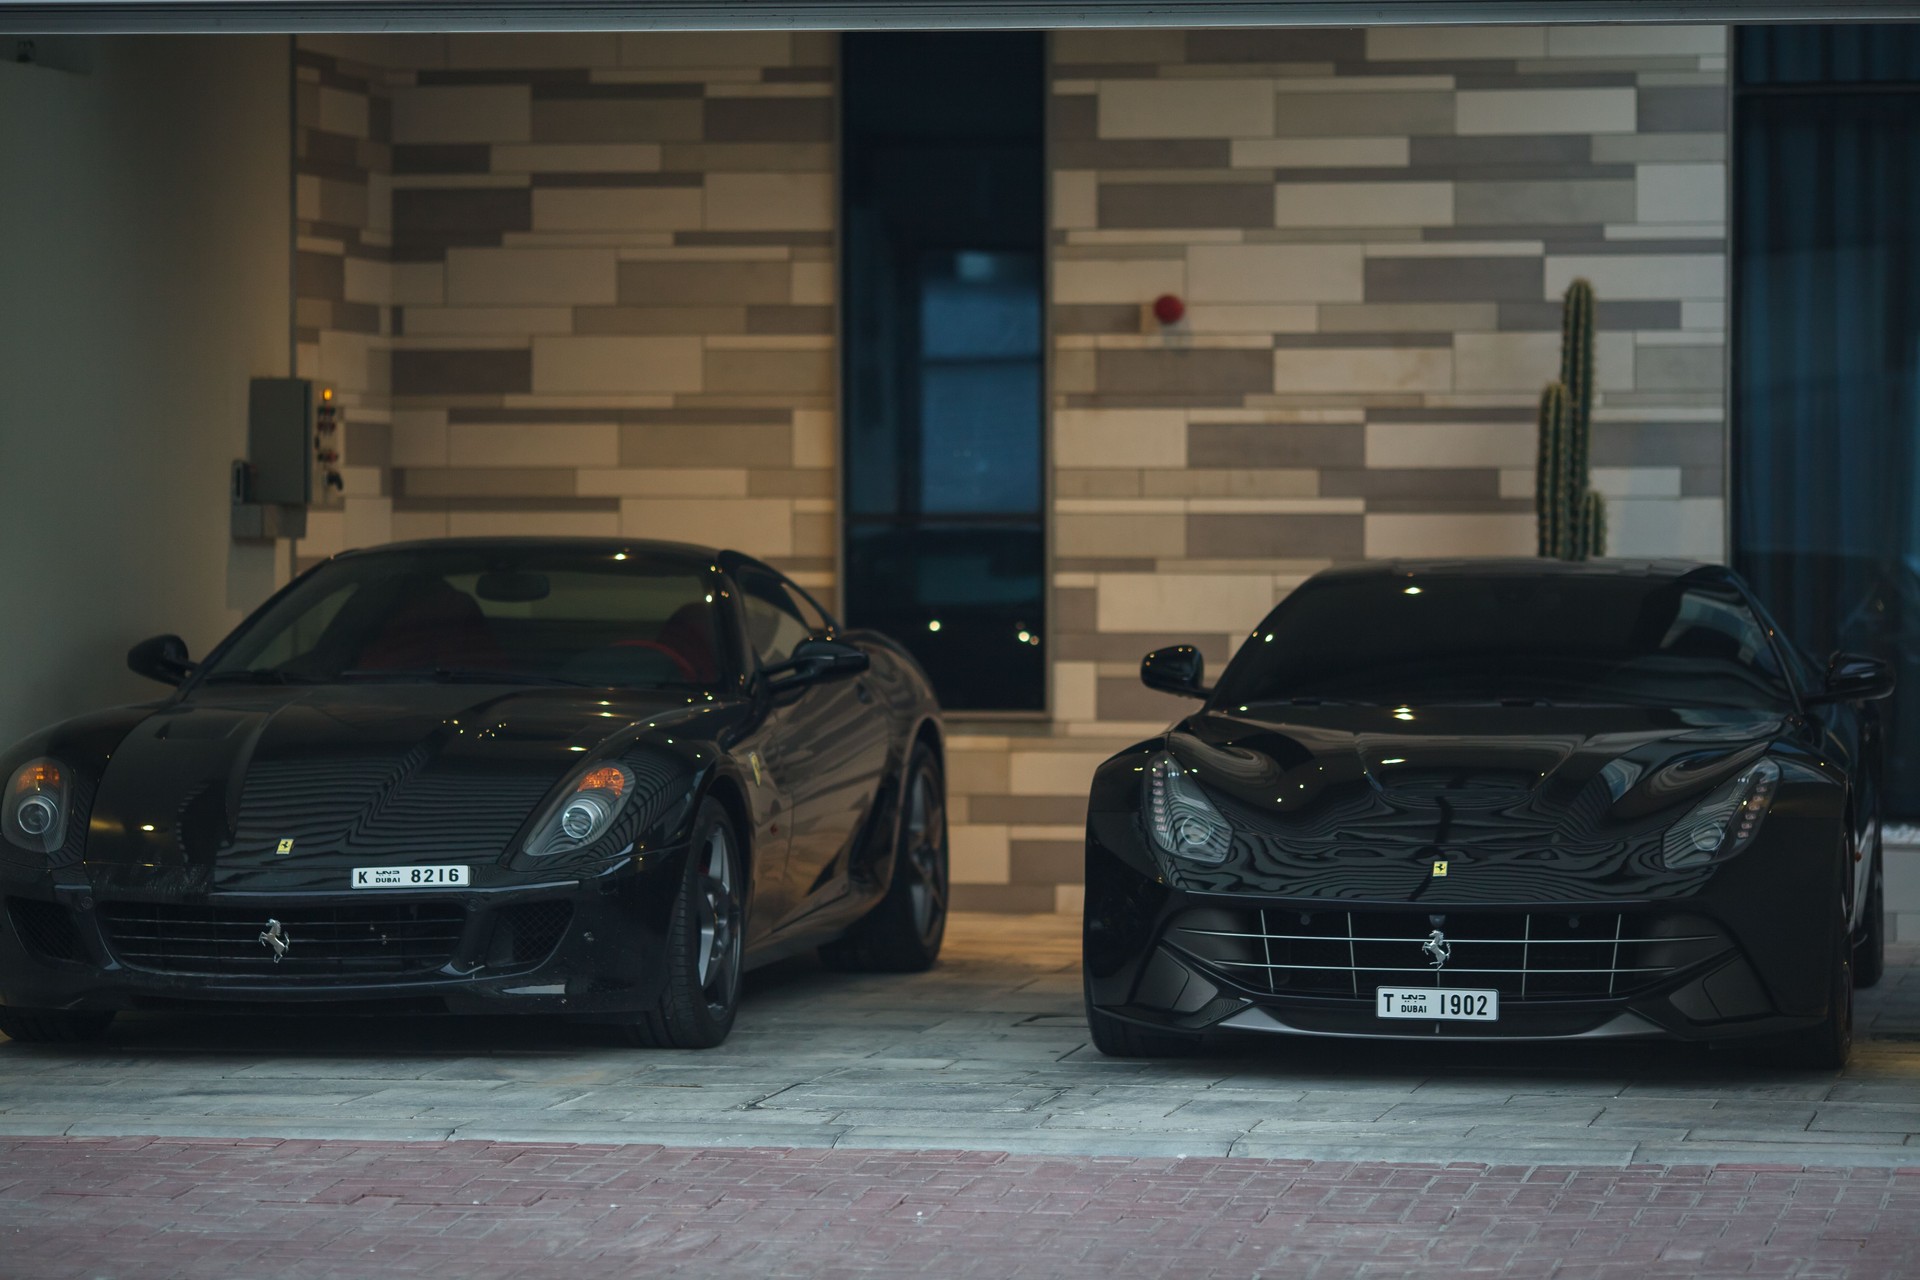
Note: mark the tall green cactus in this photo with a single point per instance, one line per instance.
(1572, 518)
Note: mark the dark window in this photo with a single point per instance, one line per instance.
(944, 356)
(1826, 334)
(1453, 638)
(775, 624)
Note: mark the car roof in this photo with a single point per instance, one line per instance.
(1531, 566)
(653, 548)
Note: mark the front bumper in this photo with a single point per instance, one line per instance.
(589, 945)
(1168, 959)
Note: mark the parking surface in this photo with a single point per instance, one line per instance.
(987, 1053)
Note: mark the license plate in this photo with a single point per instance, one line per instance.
(1435, 1005)
(408, 877)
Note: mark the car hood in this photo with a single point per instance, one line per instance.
(207, 791)
(1362, 801)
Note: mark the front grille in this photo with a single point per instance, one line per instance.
(371, 939)
(47, 928)
(527, 932)
(1525, 956)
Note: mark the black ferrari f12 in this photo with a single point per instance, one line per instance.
(1496, 800)
(598, 779)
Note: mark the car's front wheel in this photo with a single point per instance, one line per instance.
(1870, 948)
(1828, 1045)
(704, 945)
(53, 1026)
(1118, 1038)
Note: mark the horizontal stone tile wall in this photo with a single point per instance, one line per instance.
(610, 288)
(1371, 230)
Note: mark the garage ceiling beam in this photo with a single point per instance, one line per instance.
(51, 17)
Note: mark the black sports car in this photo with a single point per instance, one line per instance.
(1495, 800)
(598, 779)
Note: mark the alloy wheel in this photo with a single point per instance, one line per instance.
(718, 900)
(925, 853)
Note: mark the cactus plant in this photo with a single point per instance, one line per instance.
(1572, 518)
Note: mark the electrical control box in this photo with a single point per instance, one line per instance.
(280, 442)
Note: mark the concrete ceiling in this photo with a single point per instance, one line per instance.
(102, 16)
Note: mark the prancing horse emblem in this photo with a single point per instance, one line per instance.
(274, 938)
(1438, 949)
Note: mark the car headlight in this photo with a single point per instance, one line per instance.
(1725, 822)
(1180, 818)
(35, 812)
(585, 812)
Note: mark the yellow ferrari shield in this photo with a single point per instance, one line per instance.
(286, 846)
(1439, 868)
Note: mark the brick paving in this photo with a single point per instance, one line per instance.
(104, 1209)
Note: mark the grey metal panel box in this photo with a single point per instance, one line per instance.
(280, 440)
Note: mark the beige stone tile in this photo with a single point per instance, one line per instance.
(617, 209)
(813, 284)
(815, 535)
(1274, 273)
(1432, 43)
(366, 522)
(1116, 482)
(488, 482)
(1363, 204)
(487, 50)
(816, 439)
(436, 322)
(521, 524)
(1320, 153)
(978, 854)
(1521, 111)
(1451, 444)
(1073, 45)
(1466, 534)
(586, 157)
(1076, 198)
(977, 772)
(701, 444)
(706, 49)
(1249, 482)
(1694, 528)
(423, 283)
(462, 113)
(419, 438)
(1379, 370)
(1528, 361)
(1701, 276)
(665, 365)
(1075, 687)
(1661, 40)
(530, 277)
(1682, 192)
(1155, 603)
(663, 482)
(684, 320)
(1119, 438)
(1053, 773)
(663, 282)
(409, 525)
(764, 371)
(343, 112)
(1119, 535)
(757, 526)
(769, 202)
(1409, 317)
(615, 120)
(547, 444)
(1185, 109)
(1635, 482)
(1136, 280)
(326, 534)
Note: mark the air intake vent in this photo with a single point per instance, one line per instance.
(370, 939)
(47, 928)
(528, 932)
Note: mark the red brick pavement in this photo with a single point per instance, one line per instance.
(142, 1207)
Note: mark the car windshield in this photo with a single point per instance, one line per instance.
(1505, 637)
(512, 615)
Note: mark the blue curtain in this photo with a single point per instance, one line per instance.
(1826, 185)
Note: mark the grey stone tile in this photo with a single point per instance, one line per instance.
(1682, 109)
(1559, 149)
(1336, 537)
(1531, 202)
(1608, 315)
(446, 157)
(1277, 44)
(1125, 698)
(1388, 114)
(458, 372)
(1490, 279)
(618, 120)
(666, 319)
(1449, 484)
(1174, 374)
(1131, 205)
(1416, 317)
(1688, 368)
(769, 120)
(1243, 444)
(1139, 153)
(428, 210)
(663, 283)
(319, 275)
(1657, 444)
(484, 482)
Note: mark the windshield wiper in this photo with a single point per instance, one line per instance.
(1315, 700)
(262, 675)
(463, 675)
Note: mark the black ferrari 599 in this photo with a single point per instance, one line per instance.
(596, 779)
(1496, 800)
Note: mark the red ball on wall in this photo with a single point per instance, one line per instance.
(1168, 309)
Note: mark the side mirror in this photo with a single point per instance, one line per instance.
(1177, 669)
(1854, 677)
(817, 660)
(163, 658)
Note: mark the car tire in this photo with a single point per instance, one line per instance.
(705, 941)
(904, 932)
(1870, 948)
(1828, 1045)
(53, 1026)
(1118, 1038)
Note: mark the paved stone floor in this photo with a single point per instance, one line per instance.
(988, 1052)
(860, 1126)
